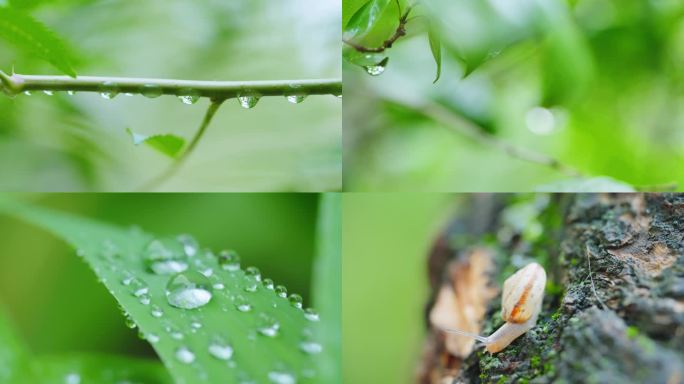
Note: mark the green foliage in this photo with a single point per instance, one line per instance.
(169, 145)
(119, 258)
(365, 18)
(25, 32)
(594, 184)
(436, 49)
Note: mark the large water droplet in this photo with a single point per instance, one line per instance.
(281, 291)
(311, 315)
(268, 283)
(295, 99)
(310, 347)
(296, 300)
(248, 101)
(109, 90)
(220, 349)
(242, 304)
(188, 290)
(281, 377)
(165, 257)
(267, 325)
(151, 91)
(377, 69)
(184, 355)
(188, 96)
(229, 260)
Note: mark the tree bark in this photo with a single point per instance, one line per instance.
(613, 310)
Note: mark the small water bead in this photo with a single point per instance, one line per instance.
(165, 257)
(281, 291)
(311, 315)
(130, 323)
(220, 349)
(253, 272)
(138, 287)
(190, 245)
(151, 91)
(281, 377)
(296, 300)
(195, 324)
(156, 311)
(174, 332)
(72, 378)
(229, 260)
(207, 272)
(144, 299)
(49, 93)
(27, 93)
(109, 90)
(267, 325)
(218, 286)
(188, 290)
(71, 93)
(152, 338)
(248, 101)
(184, 355)
(242, 304)
(310, 347)
(128, 94)
(268, 284)
(295, 99)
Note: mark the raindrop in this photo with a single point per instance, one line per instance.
(540, 121)
(165, 257)
(207, 272)
(251, 279)
(248, 101)
(311, 315)
(138, 287)
(281, 377)
(72, 378)
(377, 69)
(128, 94)
(188, 290)
(268, 283)
(188, 96)
(151, 91)
(184, 355)
(109, 90)
(144, 299)
(296, 300)
(242, 304)
(267, 325)
(49, 93)
(174, 332)
(71, 93)
(220, 349)
(152, 338)
(195, 324)
(229, 260)
(310, 347)
(130, 323)
(253, 272)
(27, 93)
(189, 243)
(219, 286)
(281, 291)
(295, 99)
(156, 311)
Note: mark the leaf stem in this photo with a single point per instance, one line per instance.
(387, 44)
(208, 116)
(215, 90)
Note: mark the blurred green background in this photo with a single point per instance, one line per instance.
(385, 242)
(79, 143)
(55, 301)
(598, 84)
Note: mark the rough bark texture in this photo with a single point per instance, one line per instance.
(614, 305)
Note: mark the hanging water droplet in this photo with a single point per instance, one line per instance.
(72, 378)
(267, 325)
(281, 377)
(220, 349)
(248, 101)
(49, 93)
(296, 300)
(242, 304)
(229, 260)
(268, 283)
(311, 315)
(218, 286)
(109, 90)
(151, 91)
(188, 290)
(310, 347)
(130, 323)
(165, 257)
(71, 93)
(281, 291)
(377, 69)
(184, 355)
(295, 99)
(188, 96)
(156, 311)
(189, 244)
(339, 95)
(27, 93)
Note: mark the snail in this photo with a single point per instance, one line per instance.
(520, 306)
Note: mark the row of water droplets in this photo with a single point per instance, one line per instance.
(248, 100)
(193, 283)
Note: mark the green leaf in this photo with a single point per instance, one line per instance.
(364, 18)
(594, 184)
(167, 144)
(99, 369)
(328, 285)
(436, 48)
(14, 359)
(118, 257)
(22, 30)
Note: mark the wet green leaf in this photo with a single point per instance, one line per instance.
(167, 144)
(436, 48)
(365, 18)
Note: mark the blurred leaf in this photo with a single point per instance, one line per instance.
(594, 184)
(14, 359)
(436, 48)
(99, 369)
(364, 18)
(167, 144)
(327, 284)
(22, 30)
(255, 328)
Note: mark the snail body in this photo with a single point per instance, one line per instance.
(521, 302)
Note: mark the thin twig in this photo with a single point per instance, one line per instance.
(159, 180)
(216, 90)
(462, 126)
(387, 44)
